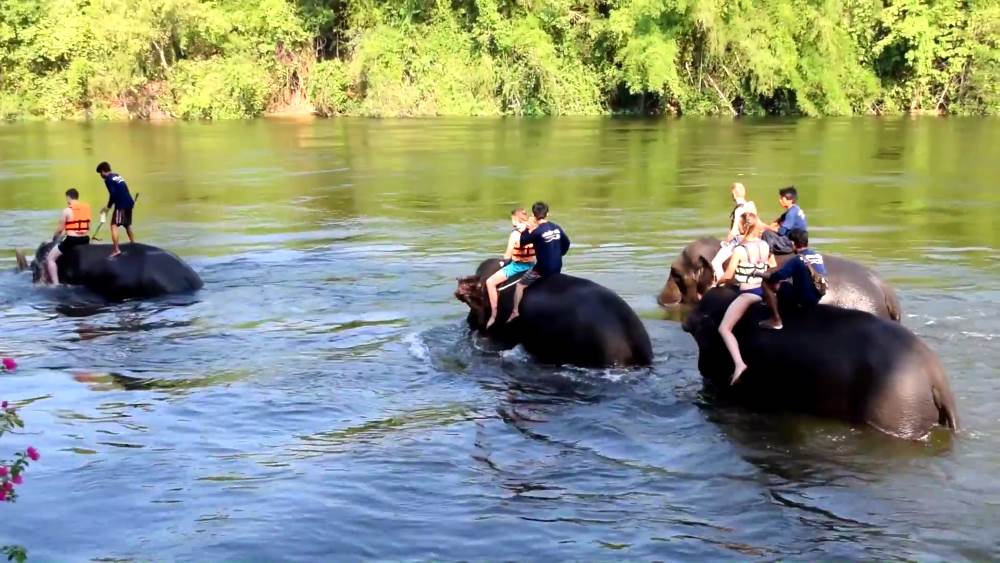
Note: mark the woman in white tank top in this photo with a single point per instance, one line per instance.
(751, 260)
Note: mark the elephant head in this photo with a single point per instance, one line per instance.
(38, 271)
(691, 274)
(472, 291)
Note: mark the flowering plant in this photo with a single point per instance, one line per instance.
(12, 473)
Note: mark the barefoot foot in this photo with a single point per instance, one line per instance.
(513, 316)
(740, 368)
(490, 322)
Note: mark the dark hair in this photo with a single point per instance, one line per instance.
(789, 193)
(103, 167)
(72, 193)
(540, 210)
(799, 237)
(516, 211)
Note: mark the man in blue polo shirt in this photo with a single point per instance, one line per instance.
(119, 198)
(776, 234)
(551, 244)
(793, 283)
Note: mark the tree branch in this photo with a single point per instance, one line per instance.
(721, 95)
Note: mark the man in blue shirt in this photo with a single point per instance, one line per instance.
(776, 234)
(120, 198)
(551, 244)
(793, 217)
(793, 283)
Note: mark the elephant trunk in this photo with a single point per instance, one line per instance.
(671, 292)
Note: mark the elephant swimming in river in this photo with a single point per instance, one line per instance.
(563, 320)
(851, 285)
(827, 361)
(141, 271)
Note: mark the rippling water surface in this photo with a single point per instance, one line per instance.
(321, 397)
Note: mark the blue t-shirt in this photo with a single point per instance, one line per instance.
(118, 194)
(794, 218)
(551, 244)
(797, 271)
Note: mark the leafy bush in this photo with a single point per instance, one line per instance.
(232, 58)
(219, 88)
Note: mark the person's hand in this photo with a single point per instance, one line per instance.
(104, 210)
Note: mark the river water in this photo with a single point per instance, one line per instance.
(321, 398)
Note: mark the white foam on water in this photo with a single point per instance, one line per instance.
(417, 347)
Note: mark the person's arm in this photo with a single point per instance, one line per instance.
(111, 195)
(739, 255)
(527, 237)
(789, 221)
(734, 231)
(783, 273)
(564, 241)
(63, 217)
(512, 241)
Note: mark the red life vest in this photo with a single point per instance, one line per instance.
(78, 224)
(523, 254)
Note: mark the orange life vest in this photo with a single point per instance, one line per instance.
(523, 254)
(78, 225)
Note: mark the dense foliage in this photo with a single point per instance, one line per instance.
(240, 58)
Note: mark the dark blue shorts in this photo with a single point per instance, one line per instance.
(758, 291)
(788, 294)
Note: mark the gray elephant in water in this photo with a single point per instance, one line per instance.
(141, 271)
(828, 361)
(851, 285)
(563, 320)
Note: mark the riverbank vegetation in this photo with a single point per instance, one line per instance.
(217, 59)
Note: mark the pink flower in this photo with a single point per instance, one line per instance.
(3, 470)
(33, 454)
(8, 486)
(3, 495)
(18, 479)
(9, 364)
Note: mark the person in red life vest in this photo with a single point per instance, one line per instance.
(75, 223)
(517, 259)
(121, 199)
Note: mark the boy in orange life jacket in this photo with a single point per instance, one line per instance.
(75, 222)
(516, 260)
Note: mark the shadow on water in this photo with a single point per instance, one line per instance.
(119, 382)
(410, 422)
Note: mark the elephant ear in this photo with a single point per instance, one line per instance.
(706, 275)
(469, 290)
(22, 262)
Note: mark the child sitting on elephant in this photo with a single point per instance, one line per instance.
(517, 259)
(739, 193)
